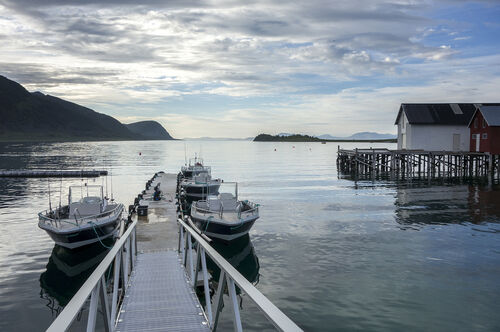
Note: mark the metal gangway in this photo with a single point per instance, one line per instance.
(156, 290)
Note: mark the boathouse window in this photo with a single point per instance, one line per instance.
(484, 123)
(485, 136)
(475, 123)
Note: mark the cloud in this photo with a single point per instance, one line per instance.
(120, 56)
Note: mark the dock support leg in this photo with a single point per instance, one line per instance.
(219, 299)
(108, 327)
(190, 250)
(116, 280)
(94, 301)
(197, 268)
(234, 305)
(205, 285)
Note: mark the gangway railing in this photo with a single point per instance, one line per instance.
(229, 277)
(122, 254)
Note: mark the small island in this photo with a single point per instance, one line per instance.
(286, 138)
(307, 138)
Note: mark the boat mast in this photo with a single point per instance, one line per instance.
(60, 192)
(50, 203)
(185, 155)
(111, 180)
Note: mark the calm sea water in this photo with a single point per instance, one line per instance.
(332, 253)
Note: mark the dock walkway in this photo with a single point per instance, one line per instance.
(160, 297)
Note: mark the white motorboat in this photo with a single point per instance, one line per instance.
(85, 220)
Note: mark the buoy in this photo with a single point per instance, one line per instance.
(140, 153)
(274, 149)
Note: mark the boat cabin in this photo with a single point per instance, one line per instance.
(86, 200)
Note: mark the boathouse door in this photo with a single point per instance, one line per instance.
(478, 141)
(456, 142)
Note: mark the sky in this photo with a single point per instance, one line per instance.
(229, 68)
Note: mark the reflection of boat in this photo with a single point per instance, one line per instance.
(67, 270)
(83, 221)
(224, 216)
(240, 253)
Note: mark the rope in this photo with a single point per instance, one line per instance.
(208, 222)
(95, 230)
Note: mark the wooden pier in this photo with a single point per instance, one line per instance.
(417, 163)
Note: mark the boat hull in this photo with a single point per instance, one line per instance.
(84, 236)
(224, 231)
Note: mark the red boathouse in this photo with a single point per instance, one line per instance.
(485, 129)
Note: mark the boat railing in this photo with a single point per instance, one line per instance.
(120, 260)
(82, 220)
(78, 221)
(254, 210)
(229, 277)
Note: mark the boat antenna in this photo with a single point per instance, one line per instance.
(106, 176)
(50, 202)
(60, 191)
(111, 180)
(185, 154)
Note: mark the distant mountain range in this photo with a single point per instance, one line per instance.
(365, 135)
(359, 137)
(35, 116)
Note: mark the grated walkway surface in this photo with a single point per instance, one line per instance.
(160, 298)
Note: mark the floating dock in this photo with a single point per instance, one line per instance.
(417, 163)
(29, 173)
(148, 280)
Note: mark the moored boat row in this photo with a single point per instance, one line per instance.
(212, 204)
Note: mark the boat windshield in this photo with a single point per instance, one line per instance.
(88, 194)
(228, 190)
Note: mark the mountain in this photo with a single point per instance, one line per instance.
(370, 135)
(365, 135)
(358, 137)
(35, 116)
(149, 129)
(326, 136)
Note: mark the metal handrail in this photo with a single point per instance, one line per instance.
(230, 277)
(123, 255)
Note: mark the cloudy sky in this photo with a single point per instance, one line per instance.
(239, 68)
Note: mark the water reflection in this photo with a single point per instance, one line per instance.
(241, 254)
(67, 270)
(447, 204)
